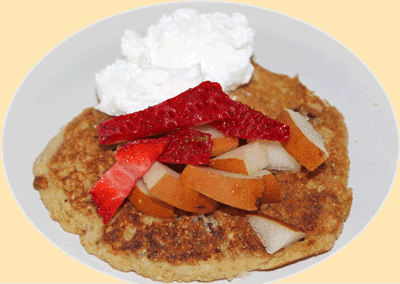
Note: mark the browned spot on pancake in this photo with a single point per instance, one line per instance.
(311, 242)
(188, 239)
(40, 182)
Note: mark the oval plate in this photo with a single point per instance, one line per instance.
(62, 84)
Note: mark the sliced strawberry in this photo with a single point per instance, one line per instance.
(141, 154)
(187, 146)
(200, 105)
(248, 123)
(112, 189)
(133, 161)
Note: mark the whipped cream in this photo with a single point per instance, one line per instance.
(179, 52)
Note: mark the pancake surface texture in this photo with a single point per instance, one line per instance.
(200, 247)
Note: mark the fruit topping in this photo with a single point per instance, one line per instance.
(187, 146)
(141, 154)
(112, 189)
(133, 160)
(305, 144)
(221, 143)
(247, 159)
(200, 123)
(277, 157)
(272, 193)
(146, 202)
(200, 105)
(273, 234)
(164, 183)
(248, 123)
(237, 190)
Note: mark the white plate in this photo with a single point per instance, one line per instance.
(62, 84)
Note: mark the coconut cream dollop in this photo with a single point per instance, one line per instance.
(179, 52)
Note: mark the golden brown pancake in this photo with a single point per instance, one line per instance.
(201, 247)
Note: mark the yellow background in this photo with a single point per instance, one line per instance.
(29, 29)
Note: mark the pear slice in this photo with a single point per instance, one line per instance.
(221, 142)
(272, 193)
(146, 202)
(277, 157)
(237, 190)
(247, 159)
(274, 234)
(305, 144)
(164, 183)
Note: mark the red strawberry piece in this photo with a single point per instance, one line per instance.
(133, 161)
(248, 123)
(112, 189)
(141, 154)
(200, 105)
(187, 146)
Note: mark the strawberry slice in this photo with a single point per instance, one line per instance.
(248, 123)
(187, 146)
(200, 105)
(112, 189)
(139, 155)
(133, 161)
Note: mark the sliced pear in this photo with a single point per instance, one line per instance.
(274, 234)
(305, 144)
(272, 193)
(237, 190)
(277, 157)
(210, 130)
(221, 142)
(146, 202)
(247, 159)
(164, 183)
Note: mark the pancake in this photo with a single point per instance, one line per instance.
(205, 247)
